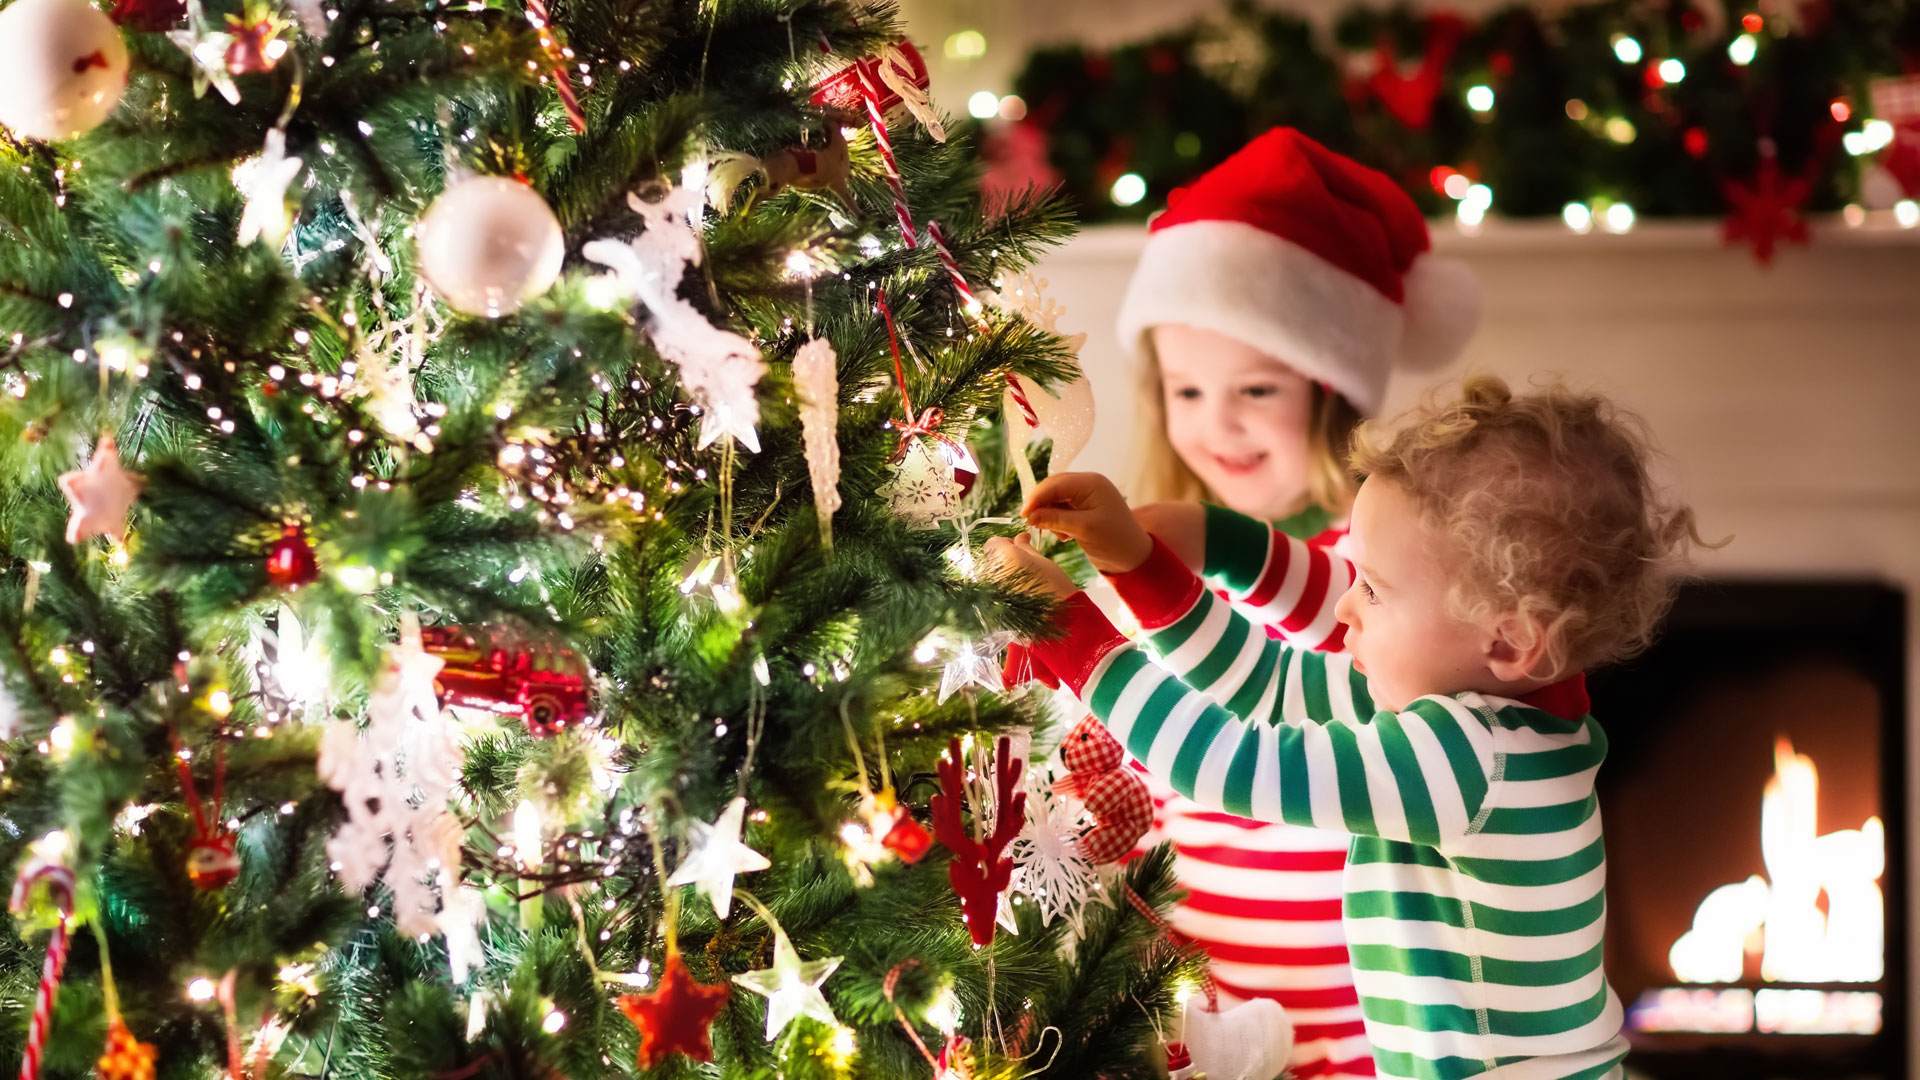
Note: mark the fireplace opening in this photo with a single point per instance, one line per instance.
(1754, 805)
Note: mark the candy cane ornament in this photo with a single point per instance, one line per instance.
(870, 95)
(59, 883)
(972, 306)
(968, 302)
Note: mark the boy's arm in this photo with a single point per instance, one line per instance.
(1277, 580)
(1199, 637)
(1421, 775)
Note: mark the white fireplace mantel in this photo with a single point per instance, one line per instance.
(1786, 399)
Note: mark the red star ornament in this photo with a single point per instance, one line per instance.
(676, 1017)
(1768, 211)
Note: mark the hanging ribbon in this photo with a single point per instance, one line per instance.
(887, 987)
(563, 81)
(59, 882)
(1179, 941)
(928, 421)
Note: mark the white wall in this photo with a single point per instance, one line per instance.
(1787, 400)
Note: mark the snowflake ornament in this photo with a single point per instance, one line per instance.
(718, 367)
(395, 778)
(1049, 868)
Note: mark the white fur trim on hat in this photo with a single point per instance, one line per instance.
(1276, 296)
(1250, 285)
(1442, 309)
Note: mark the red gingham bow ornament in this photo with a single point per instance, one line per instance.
(1118, 799)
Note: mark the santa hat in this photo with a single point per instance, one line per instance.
(1310, 257)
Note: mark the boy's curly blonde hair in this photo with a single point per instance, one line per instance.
(1546, 500)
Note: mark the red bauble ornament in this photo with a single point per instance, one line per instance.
(676, 1016)
(212, 863)
(255, 46)
(290, 561)
(846, 89)
(149, 15)
(1768, 210)
(542, 683)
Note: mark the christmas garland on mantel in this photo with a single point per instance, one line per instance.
(1597, 113)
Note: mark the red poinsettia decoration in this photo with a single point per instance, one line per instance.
(1767, 211)
(980, 870)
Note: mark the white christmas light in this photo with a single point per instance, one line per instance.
(1626, 48)
(984, 105)
(200, 989)
(1619, 218)
(1473, 208)
(1480, 98)
(528, 827)
(1129, 189)
(1577, 216)
(1672, 70)
(1742, 50)
(966, 45)
(1907, 213)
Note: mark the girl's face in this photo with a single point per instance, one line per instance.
(1237, 417)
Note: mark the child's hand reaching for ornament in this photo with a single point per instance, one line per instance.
(1087, 507)
(1018, 558)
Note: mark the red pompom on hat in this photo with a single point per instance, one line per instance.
(1311, 258)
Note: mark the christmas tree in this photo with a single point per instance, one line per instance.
(489, 506)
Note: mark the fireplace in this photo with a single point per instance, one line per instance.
(1755, 814)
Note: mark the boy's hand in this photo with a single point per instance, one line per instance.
(1017, 557)
(1180, 526)
(1088, 508)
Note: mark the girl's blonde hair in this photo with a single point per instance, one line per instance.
(1547, 503)
(1160, 475)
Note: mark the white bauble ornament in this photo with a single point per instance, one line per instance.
(489, 244)
(1250, 1041)
(62, 68)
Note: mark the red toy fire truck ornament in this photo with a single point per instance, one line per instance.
(542, 683)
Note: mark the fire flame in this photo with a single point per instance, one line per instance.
(1779, 916)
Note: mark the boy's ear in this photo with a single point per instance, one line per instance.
(1516, 648)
